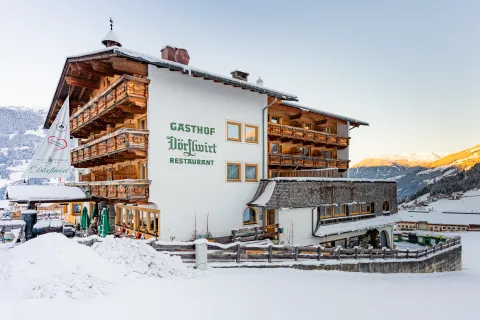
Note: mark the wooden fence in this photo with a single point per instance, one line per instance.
(256, 233)
(238, 252)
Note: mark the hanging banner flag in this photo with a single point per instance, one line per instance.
(52, 158)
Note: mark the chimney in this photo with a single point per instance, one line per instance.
(174, 54)
(240, 75)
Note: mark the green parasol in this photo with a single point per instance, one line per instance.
(85, 219)
(95, 211)
(104, 227)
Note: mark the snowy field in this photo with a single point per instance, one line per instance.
(258, 294)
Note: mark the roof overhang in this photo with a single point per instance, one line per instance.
(161, 63)
(353, 122)
(41, 193)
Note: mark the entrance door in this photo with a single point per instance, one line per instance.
(270, 217)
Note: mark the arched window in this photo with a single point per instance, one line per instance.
(250, 216)
(386, 206)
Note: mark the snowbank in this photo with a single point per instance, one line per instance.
(52, 266)
(138, 259)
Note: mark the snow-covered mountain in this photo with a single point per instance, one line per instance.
(20, 134)
(416, 171)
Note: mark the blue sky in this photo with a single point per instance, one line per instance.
(410, 68)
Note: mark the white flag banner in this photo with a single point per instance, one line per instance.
(52, 158)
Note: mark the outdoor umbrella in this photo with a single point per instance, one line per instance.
(104, 224)
(85, 219)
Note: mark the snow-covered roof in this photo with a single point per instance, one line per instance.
(44, 193)
(325, 113)
(434, 217)
(360, 225)
(314, 192)
(12, 223)
(159, 62)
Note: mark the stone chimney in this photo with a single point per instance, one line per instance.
(174, 54)
(240, 75)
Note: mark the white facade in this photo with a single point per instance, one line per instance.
(185, 190)
(300, 223)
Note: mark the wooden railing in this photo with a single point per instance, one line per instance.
(238, 252)
(312, 173)
(306, 135)
(134, 220)
(125, 92)
(304, 161)
(116, 189)
(256, 233)
(123, 140)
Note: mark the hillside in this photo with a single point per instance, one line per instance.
(414, 173)
(20, 134)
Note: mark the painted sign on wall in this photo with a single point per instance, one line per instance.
(191, 149)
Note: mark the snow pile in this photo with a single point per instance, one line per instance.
(52, 266)
(139, 259)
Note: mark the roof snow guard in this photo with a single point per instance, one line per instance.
(43, 193)
(282, 193)
(162, 63)
(354, 122)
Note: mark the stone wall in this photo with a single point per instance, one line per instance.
(448, 260)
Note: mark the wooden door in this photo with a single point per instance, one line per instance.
(270, 217)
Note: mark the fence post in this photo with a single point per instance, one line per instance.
(319, 252)
(355, 251)
(269, 253)
(238, 253)
(256, 233)
(417, 253)
(396, 253)
(296, 253)
(234, 236)
(371, 253)
(441, 246)
(384, 252)
(201, 254)
(339, 252)
(407, 253)
(434, 248)
(426, 252)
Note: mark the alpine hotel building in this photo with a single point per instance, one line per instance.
(176, 152)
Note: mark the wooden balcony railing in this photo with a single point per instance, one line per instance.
(304, 161)
(127, 95)
(135, 189)
(123, 144)
(306, 135)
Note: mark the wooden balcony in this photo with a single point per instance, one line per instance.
(119, 101)
(121, 145)
(286, 160)
(293, 133)
(133, 189)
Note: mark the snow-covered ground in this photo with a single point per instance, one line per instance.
(267, 293)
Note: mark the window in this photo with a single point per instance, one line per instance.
(365, 208)
(328, 154)
(234, 131)
(251, 133)
(233, 172)
(276, 148)
(306, 152)
(273, 174)
(335, 210)
(386, 206)
(355, 209)
(251, 172)
(142, 123)
(275, 120)
(77, 208)
(250, 216)
(307, 126)
(341, 210)
(328, 211)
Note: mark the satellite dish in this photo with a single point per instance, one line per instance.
(259, 82)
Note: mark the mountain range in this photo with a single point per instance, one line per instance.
(416, 172)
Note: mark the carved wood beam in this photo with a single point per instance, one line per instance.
(95, 68)
(125, 66)
(79, 82)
